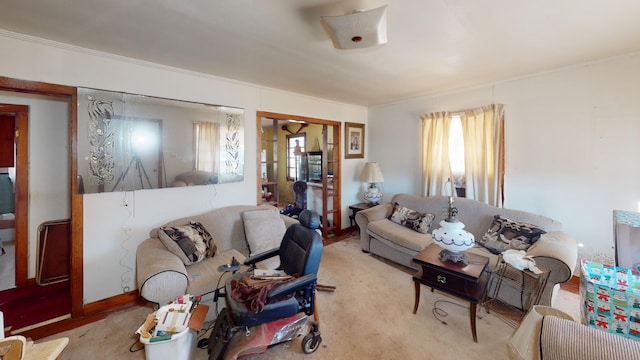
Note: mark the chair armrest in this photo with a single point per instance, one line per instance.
(558, 252)
(160, 275)
(262, 256)
(292, 286)
(364, 217)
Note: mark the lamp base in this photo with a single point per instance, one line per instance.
(374, 199)
(373, 194)
(456, 257)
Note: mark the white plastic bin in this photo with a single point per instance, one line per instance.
(180, 346)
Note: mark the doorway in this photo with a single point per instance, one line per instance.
(41, 185)
(11, 266)
(298, 166)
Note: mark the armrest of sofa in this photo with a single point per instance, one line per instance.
(559, 337)
(524, 344)
(558, 252)
(160, 275)
(364, 217)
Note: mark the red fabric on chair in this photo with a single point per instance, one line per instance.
(253, 292)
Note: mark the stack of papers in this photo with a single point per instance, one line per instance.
(269, 274)
(172, 318)
(185, 312)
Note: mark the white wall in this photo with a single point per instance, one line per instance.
(115, 223)
(572, 144)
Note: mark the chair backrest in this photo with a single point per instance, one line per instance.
(301, 247)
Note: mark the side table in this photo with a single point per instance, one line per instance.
(357, 207)
(529, 284)
(467, 282)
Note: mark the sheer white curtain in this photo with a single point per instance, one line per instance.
(483, 133)
(206, 146)
(435, 152)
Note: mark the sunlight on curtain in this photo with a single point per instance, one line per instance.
(435, 155)
(206, 146)
(456, 151)
(483, 133)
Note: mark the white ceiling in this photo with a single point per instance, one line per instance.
(434, 45)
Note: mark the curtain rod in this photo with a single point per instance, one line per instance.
(461, 111)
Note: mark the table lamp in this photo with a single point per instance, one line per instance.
(452, 237)
(371, 174)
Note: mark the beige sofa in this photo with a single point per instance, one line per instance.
(555, 250)
(549, 333)
(161, 275)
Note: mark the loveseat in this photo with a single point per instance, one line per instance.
(554, 250)
(162, 275)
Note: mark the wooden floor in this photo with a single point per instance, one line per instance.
(573, 285)
(68, 324)
(26, 307)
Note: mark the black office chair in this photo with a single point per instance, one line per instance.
(287, 307)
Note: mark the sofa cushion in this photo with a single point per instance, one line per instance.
(191, 242)
(399, 235)
(204, 277)
(505, 233)
(412, 219)
(264, 230)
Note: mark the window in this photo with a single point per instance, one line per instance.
(474, 162)
(295, 147)
(456, 155)
(206, 146)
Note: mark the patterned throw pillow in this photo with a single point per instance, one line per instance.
(412, 219)
(505, 234)
(191, 243)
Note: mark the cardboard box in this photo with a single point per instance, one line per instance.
(610, 298)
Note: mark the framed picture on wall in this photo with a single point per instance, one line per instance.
(354, 140)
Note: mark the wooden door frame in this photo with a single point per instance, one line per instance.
(70, 94)
(20, 114)
(337, 211)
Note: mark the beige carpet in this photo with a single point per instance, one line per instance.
(369, 316)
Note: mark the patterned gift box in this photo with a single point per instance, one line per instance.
(610, 298)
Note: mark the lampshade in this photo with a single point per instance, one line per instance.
(358, 29)
(371, 173)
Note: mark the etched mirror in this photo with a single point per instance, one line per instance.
(131, 142)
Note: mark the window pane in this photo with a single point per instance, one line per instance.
(295, 146)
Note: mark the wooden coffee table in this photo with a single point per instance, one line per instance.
(467, 282)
